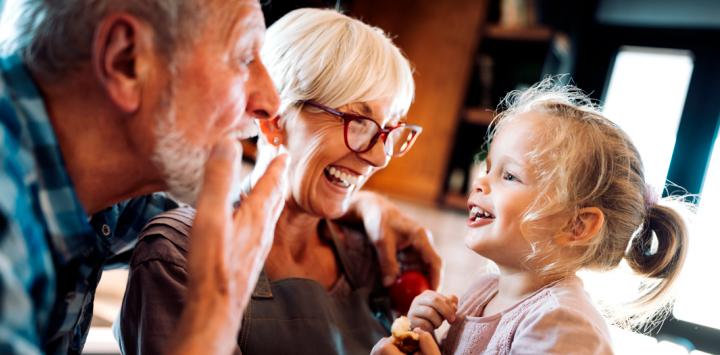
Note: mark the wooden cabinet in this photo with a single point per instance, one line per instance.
(506, 59)
(440, 39)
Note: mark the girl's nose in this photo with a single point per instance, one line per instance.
(481, 185)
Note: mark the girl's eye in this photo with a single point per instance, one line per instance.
(509, 177)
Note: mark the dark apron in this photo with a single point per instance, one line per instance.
(298, 316)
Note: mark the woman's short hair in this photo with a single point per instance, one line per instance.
(323, 55)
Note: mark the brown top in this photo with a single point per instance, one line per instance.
(291, 315)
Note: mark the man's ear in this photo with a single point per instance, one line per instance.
(271, 131)
(119, 53)
(582, 228)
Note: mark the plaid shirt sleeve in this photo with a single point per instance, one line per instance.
(26, 284)
(122, 223)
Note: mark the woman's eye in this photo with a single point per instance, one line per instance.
(247, 60)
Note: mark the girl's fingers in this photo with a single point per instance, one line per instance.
(442, 305)
(421, 323)
(428, 346)
(385, 347)
(428, 314)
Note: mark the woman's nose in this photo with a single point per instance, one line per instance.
(376, 155)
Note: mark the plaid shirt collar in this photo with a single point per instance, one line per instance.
(66, 220)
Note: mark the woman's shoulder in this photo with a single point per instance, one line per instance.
(165, 237)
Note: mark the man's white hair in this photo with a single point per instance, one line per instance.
(55, 35)
(323, 55)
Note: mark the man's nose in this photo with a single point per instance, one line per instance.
(263, 99)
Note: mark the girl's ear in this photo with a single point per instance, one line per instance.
(271, 131)
(582, 228)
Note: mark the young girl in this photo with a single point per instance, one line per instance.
(563, 191)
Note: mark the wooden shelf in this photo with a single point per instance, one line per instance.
(455, 201)
(478, 115)
(535, 33)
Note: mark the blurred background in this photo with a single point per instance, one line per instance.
(652, 65)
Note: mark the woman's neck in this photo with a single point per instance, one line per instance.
(296, 232)
(298, 251)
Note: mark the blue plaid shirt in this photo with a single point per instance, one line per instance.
(51, 252)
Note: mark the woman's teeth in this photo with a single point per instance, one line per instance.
(477, 213)
(342, 178)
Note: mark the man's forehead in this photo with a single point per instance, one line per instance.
(239, 14)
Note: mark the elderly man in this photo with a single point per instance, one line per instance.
(106, 102)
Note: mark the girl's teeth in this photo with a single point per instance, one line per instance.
(476, 212)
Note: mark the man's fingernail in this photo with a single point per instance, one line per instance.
(388, 280)
(287, 160)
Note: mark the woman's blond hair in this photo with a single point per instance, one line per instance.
(325, 56)
(586, 160)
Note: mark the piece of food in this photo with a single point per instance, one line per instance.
(406, 288)
(405, 339)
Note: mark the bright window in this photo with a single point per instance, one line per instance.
(646, 96)
(700, 291)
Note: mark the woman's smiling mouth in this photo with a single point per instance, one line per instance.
(342, 177)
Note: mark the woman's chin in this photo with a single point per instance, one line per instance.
(333, 211)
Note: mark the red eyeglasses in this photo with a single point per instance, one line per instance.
(361, 133)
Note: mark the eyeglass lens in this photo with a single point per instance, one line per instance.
(360, 134)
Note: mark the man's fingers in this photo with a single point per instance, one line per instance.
(219, 174)
(267, 197)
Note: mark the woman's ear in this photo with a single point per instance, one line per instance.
(271, 131)
(582, 228)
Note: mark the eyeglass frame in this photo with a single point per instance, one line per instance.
(348, 117)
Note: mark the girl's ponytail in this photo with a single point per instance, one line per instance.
(657, 252)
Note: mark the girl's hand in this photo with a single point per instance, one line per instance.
(428, 346)
(429, 309)
(386, 347)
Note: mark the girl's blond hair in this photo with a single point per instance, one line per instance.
(586, 160)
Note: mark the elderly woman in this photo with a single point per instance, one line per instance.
(345, 89)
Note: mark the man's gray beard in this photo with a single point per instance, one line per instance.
(181, 163)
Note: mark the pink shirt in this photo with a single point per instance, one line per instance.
(557, 319)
